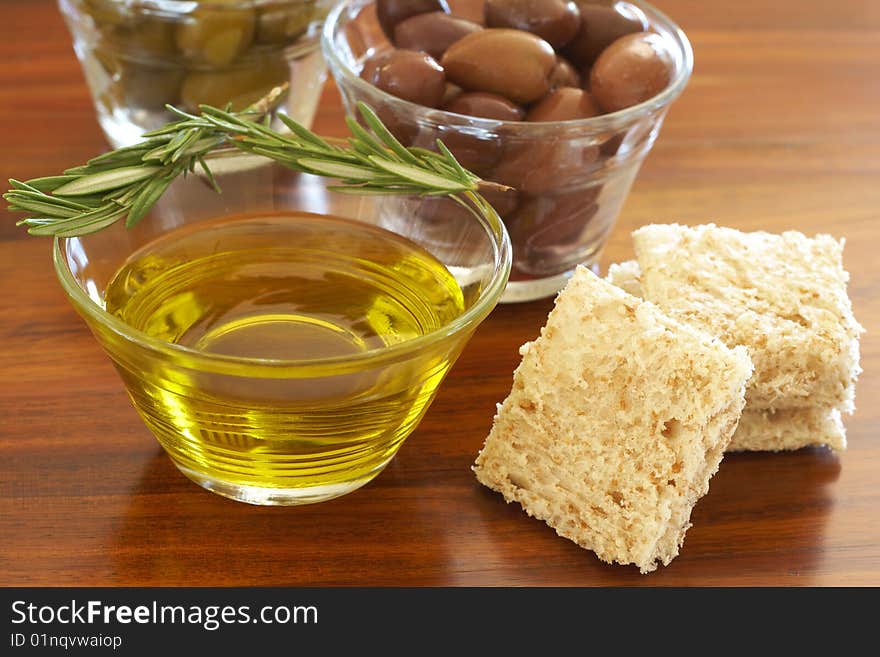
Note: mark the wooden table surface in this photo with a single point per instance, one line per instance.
(778, 129)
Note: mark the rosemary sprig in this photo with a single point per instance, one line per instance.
(127, 182)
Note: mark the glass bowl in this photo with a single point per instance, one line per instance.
(139, 55)
(569, 178)
(283, 405)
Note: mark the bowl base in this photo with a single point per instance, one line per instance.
(539, 288)
(261, 496)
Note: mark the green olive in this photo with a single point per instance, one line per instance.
(240, 86)
(215, 36)
(108, 12)
(108, 59)
(148, 40)
(283, 24)
(147, 87)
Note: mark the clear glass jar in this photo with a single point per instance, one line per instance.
(139, 55)
(569, 179)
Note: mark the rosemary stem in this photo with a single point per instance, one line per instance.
(127, 182)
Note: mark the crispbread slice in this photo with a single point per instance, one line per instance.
(617, 419)
(788, 429)
(627, 276)
(781, 296)
(760, 430)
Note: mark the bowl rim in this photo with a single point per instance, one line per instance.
(601, 123)
(301, 367)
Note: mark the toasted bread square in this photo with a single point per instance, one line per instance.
(617, 419)
(782, 296)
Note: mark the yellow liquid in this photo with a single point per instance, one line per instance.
(284, 287)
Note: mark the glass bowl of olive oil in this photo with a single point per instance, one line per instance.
(279, 339)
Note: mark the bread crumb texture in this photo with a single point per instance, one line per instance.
(617, 419)
(787, 429)
(627, 276)
(783, 296)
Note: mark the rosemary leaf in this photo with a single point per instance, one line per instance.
(92, 226)
(372, 120)
(80, 225)
(47, 184)
(20, 195)
(365, 190)
(363, 138)
(227, 126)
(303, 133)
(209, 174)
(419, 175)
(202, 146)
(171, 126)
(450, 158)
(45, 209)
(106, 180)
(147, 198)
(337, 169)
(137, 149)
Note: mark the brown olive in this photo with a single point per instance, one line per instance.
(599, 27)
(362, 34)
(241, 86)
(477, 153)
(215, 36)
(391, 12)
(371, 66)
(283, 24)
(548, 229)
(486, 106)
(564, 74)
(410, 75)
(547, 166)
(611, 145)
(635, 137)
(555, 21)
(432, 33)
(401, 125)
(564, 104)
(631, 70)
(441, 211)
(451, 92)
(505, 201)
(444, 212)
(472, 10)
(512, 63)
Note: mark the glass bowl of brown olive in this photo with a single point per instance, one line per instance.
(558, 101)
(139, 55)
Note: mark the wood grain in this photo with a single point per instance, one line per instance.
(778, 129)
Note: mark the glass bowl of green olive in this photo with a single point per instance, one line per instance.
(140, 55)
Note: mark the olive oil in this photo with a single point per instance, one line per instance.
(248, 295)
